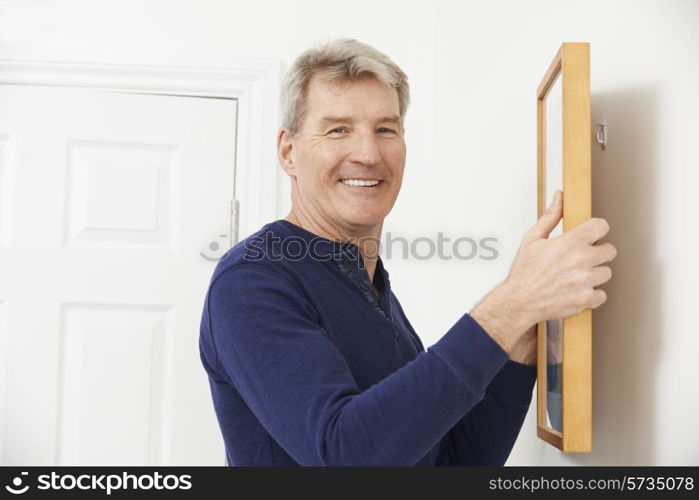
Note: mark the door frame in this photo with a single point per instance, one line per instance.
(254, 83)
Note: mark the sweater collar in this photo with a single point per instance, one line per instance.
(318, 246)
(345, 254)
(321, 248)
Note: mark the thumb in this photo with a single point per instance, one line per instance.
(548, 220)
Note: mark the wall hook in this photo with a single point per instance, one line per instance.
(602, 134)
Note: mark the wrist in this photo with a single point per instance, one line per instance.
(524, 351)
(518, 306)
(503, 315)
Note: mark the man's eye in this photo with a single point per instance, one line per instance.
(339, 129)
(384, 130)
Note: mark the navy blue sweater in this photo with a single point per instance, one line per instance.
(307, 366)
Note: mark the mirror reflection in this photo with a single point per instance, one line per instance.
(553, 180)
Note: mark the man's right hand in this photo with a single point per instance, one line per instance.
(549, 278)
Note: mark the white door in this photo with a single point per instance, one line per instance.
(113, 210)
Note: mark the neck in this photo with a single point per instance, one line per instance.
(366, 238)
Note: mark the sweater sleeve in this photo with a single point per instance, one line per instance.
(486, 435)
(270, 346)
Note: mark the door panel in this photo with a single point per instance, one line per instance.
(109, 200)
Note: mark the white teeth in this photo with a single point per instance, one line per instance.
(359, 182)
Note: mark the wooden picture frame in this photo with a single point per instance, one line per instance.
(572, 64)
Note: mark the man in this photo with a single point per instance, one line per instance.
(310, 357)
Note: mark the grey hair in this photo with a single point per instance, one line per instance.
(341, 59)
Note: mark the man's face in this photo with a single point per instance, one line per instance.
(351, 130)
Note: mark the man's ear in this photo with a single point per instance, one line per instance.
(285, 152)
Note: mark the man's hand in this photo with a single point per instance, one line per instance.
(549, 278)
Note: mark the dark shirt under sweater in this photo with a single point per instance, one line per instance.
(307, 366)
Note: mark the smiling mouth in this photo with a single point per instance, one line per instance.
(361, 183)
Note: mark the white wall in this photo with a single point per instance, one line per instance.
(644, 76)
(474, 67)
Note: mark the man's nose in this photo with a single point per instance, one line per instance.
(366, 149)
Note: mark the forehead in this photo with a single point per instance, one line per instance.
(346, 98)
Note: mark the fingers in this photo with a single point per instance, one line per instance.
(548, 220)
(603, 253)
(591, 230)
(600, 275)
(599, 297)
(594, 299)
